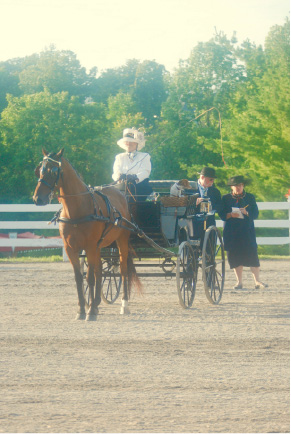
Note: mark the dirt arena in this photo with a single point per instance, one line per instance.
(162, 369)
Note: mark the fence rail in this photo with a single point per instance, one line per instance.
(57, 242)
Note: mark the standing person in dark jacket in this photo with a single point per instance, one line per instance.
(239, 210)
(206, 189)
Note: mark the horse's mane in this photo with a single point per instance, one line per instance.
(53, 156)
(77, 173)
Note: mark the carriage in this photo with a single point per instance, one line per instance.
(110, 227)
(163, 240)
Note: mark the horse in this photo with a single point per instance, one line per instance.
(89, 220)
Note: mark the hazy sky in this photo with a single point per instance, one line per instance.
(106, 33)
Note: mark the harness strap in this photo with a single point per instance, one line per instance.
(116, 219)
(86, 219)
(106, 200)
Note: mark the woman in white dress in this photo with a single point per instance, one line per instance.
(132, 165)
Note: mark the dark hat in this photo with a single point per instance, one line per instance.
(239, 179)
(209, 172)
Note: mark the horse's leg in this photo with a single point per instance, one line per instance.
(122, 243)
(94, 279)
(74, 259)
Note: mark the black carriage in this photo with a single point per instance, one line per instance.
(163, 240)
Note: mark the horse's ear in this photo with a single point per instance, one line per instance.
(44, 152)
(60, 153)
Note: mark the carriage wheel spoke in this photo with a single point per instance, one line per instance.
(111, 282)
(218, 284)
(186, 275)
(212, 270)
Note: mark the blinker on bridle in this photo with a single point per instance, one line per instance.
(55, 171)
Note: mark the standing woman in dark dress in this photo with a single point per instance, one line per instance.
(239, 210)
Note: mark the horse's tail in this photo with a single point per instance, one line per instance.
(132, 276)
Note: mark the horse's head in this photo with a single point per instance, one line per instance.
(48, 172)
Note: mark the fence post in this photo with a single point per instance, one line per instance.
(13, 235)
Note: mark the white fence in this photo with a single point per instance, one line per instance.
(273, 206)
(57, 242)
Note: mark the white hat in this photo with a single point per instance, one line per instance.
(132, 135)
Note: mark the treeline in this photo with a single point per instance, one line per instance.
(49, 100)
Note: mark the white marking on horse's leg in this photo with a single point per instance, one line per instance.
(124, 308)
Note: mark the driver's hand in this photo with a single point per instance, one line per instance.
(131, 178)
(122, 177)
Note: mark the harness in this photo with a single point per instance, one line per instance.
(114, 216)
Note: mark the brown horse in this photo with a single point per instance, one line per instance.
(88, 221)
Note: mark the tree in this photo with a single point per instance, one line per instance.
(9, 79)
(57, 71)
(258, 130)
(149, 89)
(122, 113)
(115, 80)
(207, 79)
(52, 121)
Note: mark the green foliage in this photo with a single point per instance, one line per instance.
(49, 255)
(206, 80)
(51, 121)
(48, 100)
(56, 71)
(274, 251)
(122, 113)
(149, 90)
(258, 131)
(115, 80)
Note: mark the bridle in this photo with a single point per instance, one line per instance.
(55, 172)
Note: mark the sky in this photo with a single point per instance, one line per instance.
(107, 33)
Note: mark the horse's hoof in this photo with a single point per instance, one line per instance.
(124, 310)
(81, 316)
(91, 317)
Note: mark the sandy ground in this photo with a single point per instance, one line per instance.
(162, 369)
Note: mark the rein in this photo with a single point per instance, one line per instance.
(91, 217)
(73, 195)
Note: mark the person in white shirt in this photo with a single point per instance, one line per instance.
(132, 165)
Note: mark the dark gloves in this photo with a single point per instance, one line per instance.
(122, 177)
(128, 178)
(131, 178)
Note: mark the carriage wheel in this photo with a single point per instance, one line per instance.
(186, 274)
(111, 280)
(213, 265)
(84, 267)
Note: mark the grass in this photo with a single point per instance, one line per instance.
(56, 258)
(55, 255)
(275, 257)
(26, 259)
